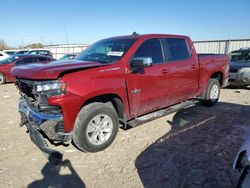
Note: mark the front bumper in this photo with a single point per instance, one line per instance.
(41, 125)
(240, 78)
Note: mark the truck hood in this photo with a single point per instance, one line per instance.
(51, 70)
(239, 64)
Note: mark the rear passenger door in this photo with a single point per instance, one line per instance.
(42, 59)
(23, 61)
(182, 68)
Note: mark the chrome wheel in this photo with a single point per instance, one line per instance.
(1, 79)
(214, 92)
(99, 129)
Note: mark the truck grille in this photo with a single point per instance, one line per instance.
(26, 87)
(37, 102)
(233, 70)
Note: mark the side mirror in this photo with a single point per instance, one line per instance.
(141, 62)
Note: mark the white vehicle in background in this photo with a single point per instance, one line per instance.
(3, 55)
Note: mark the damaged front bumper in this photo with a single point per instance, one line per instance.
(41, 125)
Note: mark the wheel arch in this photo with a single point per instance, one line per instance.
(219, 76)
(238, 161)
(113, 99)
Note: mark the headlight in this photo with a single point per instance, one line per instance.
(50, 87)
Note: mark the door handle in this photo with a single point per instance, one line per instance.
(193, 66)
(164, 71)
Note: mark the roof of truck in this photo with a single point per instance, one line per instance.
(137, 36)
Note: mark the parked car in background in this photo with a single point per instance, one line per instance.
(69, 56)
(240, 67)
(21, 52)
(7, 64)
(3, 55)
(41, 52)
(116, 81)
(10, 52)
(242, 164)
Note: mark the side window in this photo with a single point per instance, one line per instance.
(24, 61)
(35, 59)
(33, 52)
(42, 59)
(42, 52)
(175, 49)
(151, 48)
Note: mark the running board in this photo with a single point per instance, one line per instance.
(163, 112)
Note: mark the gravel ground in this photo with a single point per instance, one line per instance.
(192, 148)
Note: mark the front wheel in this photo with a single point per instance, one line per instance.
(2, 79)
(212, 93)
(96, 127)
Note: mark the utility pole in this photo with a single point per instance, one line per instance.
(41, 39)
(66, 34)
(22, 42)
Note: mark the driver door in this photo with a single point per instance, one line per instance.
(147, 87)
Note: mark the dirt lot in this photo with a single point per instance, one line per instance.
(192, 148)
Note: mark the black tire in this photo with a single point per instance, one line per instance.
(2, 79)
(208, 100)
(86, 114)
(244, 181)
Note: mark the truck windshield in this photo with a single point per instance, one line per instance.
(240, 56)
(107, 50)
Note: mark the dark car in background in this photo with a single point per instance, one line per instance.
(240, 68)
(7, 64)
(41, 52)
(69, 56)
(21, 52)
(10, 52)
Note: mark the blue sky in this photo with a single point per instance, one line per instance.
(28, 21)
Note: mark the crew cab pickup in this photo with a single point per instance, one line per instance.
(115, 82)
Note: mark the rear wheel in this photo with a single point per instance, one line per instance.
(2, 79)
(212, 93)
(96, 127)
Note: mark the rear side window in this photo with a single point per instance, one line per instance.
(151, 48)
(24, 61)
(43, 52)
(42, 59)
(33, 52)
(175, 49)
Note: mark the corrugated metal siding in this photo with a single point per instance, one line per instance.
(221, 46)
(60, 50)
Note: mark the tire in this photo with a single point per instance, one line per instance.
(2, 79)
(212, 93)
(96, 127)
(244, 181)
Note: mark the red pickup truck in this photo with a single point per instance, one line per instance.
(119, 81)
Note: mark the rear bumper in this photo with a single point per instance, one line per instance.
(42, 125)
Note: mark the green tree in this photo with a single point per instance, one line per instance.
(36, 45)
